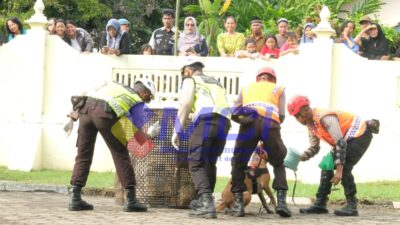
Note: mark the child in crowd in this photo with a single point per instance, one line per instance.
(270, 49)
(291, 45)
(146, 49)
(250, 52)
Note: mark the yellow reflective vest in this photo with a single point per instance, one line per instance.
(210, 97)
(119, 97)
(264, 98)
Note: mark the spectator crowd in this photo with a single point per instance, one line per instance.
(115, 39)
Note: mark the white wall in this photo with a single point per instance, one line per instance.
(367, 88)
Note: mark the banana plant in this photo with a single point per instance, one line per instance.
(210, 20)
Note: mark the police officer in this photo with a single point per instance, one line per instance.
(101, 110)
(260, 109)
(348, 135)
(204, 97)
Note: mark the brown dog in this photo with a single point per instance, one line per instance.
(257, 163)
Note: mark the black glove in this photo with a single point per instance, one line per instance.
(373, 125)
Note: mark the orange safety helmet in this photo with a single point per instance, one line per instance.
(296, 103)
(266, 70)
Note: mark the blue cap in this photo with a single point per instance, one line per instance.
(123, 21)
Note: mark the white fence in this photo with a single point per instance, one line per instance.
(39, 73)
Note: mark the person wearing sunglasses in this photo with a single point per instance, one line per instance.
(191, 42)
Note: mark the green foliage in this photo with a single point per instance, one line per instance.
(210, 21)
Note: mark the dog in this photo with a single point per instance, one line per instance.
(258, 172)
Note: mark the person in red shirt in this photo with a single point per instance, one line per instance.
(270, 49)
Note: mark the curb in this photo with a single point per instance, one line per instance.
(26, 187)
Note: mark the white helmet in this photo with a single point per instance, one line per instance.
(190, 61)
(149, 85)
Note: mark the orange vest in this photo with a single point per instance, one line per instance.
(351, 126)
(264, 98)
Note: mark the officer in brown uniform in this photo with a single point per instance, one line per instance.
(100, 111)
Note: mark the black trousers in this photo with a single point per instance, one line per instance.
(355, 150)
(260, 129)
(94, 118)
(206, 144)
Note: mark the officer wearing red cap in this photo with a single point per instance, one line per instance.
(260, 109)
(349, 137)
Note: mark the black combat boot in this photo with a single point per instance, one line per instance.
(131, 204)
(238, 207)
(350, 209)
(282, 208)
(196, 203)
(324, 189)
(75, 202)
(207, 207)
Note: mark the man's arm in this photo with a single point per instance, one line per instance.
(313, 149)
(281, 106)
(186, 103)
(332, 126)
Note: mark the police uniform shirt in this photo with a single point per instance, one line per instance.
(162, 41)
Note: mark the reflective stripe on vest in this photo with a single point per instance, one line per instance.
(351, 126)
(209, 97)
(119, 97)
(264, 97)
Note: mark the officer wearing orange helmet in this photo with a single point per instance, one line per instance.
(260, 109)
(349, 137)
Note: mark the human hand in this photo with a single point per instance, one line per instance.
(337, 177)
(303, 157)
(175, 141)
(154, 130)
(105, 50)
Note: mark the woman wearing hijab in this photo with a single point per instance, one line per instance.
(307, 36)
(376, 46)
(190, 41)
(115, 41)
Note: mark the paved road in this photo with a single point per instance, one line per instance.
(51, 208)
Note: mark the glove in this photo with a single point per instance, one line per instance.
(154, 130)
(304, 157)
(68, 127)
(175, 141)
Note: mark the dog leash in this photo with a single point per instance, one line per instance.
(294, 187)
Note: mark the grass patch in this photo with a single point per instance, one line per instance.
(57, 177)
(372, 191)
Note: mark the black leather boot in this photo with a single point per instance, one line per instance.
(196, 203)
(350, 209)
(282, 208)
(324, 189)
(75, 202)
(238, 207)
(206, 209)
(131, 204)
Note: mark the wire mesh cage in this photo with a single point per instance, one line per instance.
(162, 174)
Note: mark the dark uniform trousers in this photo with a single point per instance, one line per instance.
(205, 146)
(268, 131)
(354, 151)
(93, 118)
